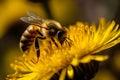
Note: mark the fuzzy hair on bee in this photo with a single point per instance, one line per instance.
(40, 28)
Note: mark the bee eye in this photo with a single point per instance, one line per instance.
(60, 34)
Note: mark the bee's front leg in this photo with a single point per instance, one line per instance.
(37, 47)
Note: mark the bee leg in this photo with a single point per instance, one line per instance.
(40, 33)
(54, 42)
(37, 46)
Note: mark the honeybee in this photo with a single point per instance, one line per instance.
(40, 28)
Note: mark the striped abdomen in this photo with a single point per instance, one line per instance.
(28, 38)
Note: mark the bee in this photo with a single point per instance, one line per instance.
(40, 28)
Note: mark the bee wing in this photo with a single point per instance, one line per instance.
(30, 20)
(34, 16)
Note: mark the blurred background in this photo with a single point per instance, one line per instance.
(67, 12)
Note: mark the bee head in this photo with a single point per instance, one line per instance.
(57, 31)
(61, 35)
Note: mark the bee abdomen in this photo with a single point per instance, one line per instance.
(24, 48)
(27, 39)
(26, 43)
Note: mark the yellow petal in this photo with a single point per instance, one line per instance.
(70, 72)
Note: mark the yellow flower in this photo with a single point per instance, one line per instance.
(85, 43)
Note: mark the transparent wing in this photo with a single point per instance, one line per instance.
(30, 20)
(34, 15)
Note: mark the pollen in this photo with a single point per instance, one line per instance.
(86, 42)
